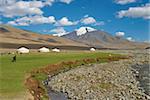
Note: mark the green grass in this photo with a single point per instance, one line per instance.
(12, 75)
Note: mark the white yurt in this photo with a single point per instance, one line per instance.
(44, 49)
(23, 50)
(55, 50)
(92, 49)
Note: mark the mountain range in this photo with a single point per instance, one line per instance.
(13, 38)
(100, 39)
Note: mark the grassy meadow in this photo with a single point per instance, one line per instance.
(12, 74)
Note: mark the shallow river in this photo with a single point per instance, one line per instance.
(56, 95)
(144, 77)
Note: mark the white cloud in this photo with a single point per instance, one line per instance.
(21, 8)
(130, 39)
(136, 12)
(91, 20)
(13, 8)
(88, 20)
(99, 23)
(65, 22)
(42, 20)
(37, 4)
(120, 34)
(66, 1)
(49, 2)
(7, 2)
(22, 24)
(82, 30)
(12, 23)
(58, 31)
(24, 21)
(122, 2)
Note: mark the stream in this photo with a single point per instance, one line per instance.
(54, 95)
(144, 77)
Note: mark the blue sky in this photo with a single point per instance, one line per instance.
(127, 18)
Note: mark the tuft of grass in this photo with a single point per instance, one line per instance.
(106, 86)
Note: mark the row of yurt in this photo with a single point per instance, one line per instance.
(42, 49)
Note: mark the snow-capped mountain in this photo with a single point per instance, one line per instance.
(100, 39)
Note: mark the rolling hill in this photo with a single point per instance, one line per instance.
(12, 38)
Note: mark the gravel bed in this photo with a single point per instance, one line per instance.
(116, 80)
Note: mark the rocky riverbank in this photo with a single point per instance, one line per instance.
(118, 80)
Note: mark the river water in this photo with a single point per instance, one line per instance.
(53, 95)
(144, 77)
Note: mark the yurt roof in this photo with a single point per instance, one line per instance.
(44, 47)
(23, 47)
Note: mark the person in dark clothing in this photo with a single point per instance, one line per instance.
(14, 59)
(86, 30)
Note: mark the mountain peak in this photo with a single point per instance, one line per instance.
(84, 30)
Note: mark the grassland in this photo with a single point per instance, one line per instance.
(12, 75)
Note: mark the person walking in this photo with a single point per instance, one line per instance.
(14, 59)
(86, 30)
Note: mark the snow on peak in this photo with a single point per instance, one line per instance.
(83, 30)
